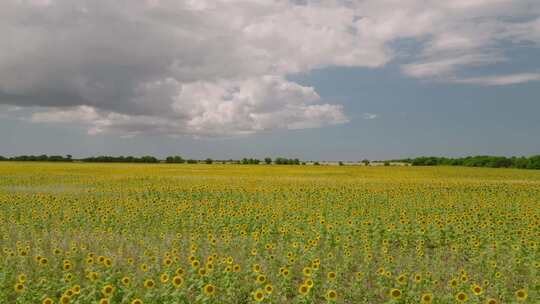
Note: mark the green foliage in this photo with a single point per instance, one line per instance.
(175, 160)
(250, 161)
(532, 162)
(286, 161)
(43, 157)
(121, 159)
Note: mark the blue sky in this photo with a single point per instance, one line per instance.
(319, 80)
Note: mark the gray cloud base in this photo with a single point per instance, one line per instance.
(219, 68)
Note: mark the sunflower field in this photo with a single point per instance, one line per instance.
(169, 233)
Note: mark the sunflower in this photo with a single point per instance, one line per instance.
(137, 301)
(125, 281)
(258, 295)
(104, 301)
(401, 279)
(19, 287)
(395, 293)
(21, 278)
(143, 267)
(256, 268)
(331, 295)
(65, 299)
(331, 275)
(260, 279)
(47, 301)
(426, 298)
(268, 288)
(309, 283)
(461, 297)
(209, 289)
(167, 262)
(453, 283)
(178, 281)
(237, 268)
(107, 290)
(164, 278)
(93, 276)
(307, 271)
(491, 301)
(476, 289)
(76, 289)
(108, 263)
(303, 289)
(521, 295)
(149, 283)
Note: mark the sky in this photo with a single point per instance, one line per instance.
(313, 79)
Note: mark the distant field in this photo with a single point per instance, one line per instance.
(127, 233)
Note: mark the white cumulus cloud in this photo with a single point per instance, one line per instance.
(221, 67)
(500, 80)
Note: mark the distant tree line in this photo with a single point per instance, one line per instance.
(121, 159)
(286, 161)
(175, 160)
(41, 158)
(243, 161)
(250, 161)
(532, 162)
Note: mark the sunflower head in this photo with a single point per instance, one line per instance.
(395, 293)
(258, 295)
(521, 295)
(209, 289)
(331, 295)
